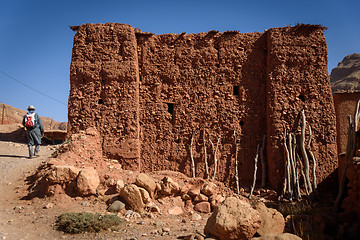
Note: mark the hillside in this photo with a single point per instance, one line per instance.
(15, 115)
(346, 76)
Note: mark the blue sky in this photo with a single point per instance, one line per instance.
(36, 41)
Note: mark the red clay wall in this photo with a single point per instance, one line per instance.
(104, 77)
(156, 90)
(197, 73)
(298, 79)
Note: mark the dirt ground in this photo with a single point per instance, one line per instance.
(22, 218)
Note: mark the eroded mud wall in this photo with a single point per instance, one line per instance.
(105, 88)
(149, 94)
(207, 82)
(298, 79)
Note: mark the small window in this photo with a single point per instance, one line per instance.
(301, 97)
(100, 101)
(241, 123)
(170, 107)
(236, 90)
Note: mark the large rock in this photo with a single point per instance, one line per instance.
(233, 219)
(145, 195)
(132, 195)
(143, 180)
(87, 182)
(63, 174)
(272, 221)
(282, 236)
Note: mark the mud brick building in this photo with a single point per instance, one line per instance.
(153, 96)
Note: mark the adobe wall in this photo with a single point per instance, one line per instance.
(297, 78)
(147, 94)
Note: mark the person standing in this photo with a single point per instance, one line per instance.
(34, 129)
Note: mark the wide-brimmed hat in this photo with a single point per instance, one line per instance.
(31, 107)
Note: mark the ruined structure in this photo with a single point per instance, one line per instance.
(151, 97)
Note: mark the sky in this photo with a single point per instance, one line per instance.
(36, 41)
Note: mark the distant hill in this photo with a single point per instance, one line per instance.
(15, 115)
(346, 76)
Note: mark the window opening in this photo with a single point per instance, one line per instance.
(170, 107)
(236, 90)
(241, 123)
(301, 97)
(100, 101)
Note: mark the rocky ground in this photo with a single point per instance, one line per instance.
(26, 218)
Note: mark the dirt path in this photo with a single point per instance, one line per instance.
(35, 218)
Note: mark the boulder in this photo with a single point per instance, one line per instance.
(272, 221)
(282, 236)
(63, 174)
(132, 196)
(87, 182)
(203, 207)
(169, 187)
(209, 189)
(233, 219)
(143, 180)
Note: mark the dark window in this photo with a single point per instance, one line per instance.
(241, 123)
(301, 97)
(100, 101)
(84, 80)
(236, 90)
(170, 108)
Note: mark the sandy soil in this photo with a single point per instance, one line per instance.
(22, 218)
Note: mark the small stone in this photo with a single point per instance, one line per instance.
(175, 210)
(165, 229)
(85, 203)
(203, 207)
(209, 189)
(116, 206)
(119, 185)
(201, 198)
(194, 191)
(49, 205)
(196, 217)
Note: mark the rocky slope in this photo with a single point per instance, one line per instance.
(346, 76)
(15, 115)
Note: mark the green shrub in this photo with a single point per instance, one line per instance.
(86, 222)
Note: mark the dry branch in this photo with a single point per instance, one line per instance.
(205, 156)
(255, 170)
(303, 152)
(191, 153)
(236, 165)
(312, 159)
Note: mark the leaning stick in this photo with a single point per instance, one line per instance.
(236, 165)
(255, 170)
(303, 151)
(287, 182)
(296, 175)
(290, 167)
(205, 156)
(191, 153)
(313, 159)
(263, 163)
